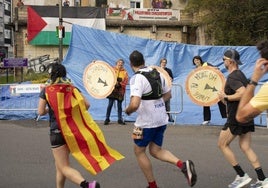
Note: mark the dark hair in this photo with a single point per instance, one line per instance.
(136, 59)
(263, 49)
(120, 60)
(198, 57)
(163, 59)
(58, 70)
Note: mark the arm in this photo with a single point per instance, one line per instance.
(86, 102)
(234, 97)
(167, 96)
(246, 111)
(42, 110)
(133, 105)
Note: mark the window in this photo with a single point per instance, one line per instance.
(136, 4)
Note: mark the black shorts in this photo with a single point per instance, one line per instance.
(238, 129)
(56, 139)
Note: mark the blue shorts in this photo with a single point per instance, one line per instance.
(154, 135)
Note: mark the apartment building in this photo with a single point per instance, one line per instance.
(177, 27)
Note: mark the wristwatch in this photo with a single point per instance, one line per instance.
(253, 82)
(226, 98)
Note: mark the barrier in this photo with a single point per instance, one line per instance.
(15, 98)
(176, 102)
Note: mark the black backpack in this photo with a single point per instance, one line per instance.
(155, 81)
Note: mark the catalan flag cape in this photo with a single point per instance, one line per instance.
(82, 135)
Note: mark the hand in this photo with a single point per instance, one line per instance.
(260, 69)
(126, 111)
(221, 95)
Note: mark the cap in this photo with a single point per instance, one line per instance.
(234, 55)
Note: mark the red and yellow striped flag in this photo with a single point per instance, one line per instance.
(82, 135)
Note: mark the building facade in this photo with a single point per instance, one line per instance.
(6, 45)
(178, 28)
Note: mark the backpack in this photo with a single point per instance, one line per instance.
(155, 81)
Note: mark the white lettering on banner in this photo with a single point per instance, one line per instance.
(25, 88)
(150, 14)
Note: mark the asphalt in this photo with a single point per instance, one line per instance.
(26, 159)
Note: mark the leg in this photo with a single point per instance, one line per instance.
(206, 113)
(61, 156)
(108, 112)
(225, 138)
(162, 154)
(167, 104)
(245, 145)
(60, 178)
(222, 108)
(144, 163)
(119, 109)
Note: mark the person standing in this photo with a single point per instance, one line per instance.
(234, 89)
(20, 3)
(198, 62)
(163, 65)
(66, 3)
(148, 93)
(59, 147)
(251, 106)
(118, 92)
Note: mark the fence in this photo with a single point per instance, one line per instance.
(15, 98)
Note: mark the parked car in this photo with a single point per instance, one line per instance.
(40, 64)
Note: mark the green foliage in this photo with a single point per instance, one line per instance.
(37, 77)
(229, 22)
(34, 78)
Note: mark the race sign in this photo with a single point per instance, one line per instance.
(99, 79)
(203, 85)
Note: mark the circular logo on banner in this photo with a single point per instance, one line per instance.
(203, 85)
(164, 73)
(99, 79)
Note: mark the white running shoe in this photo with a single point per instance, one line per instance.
(206, 123)
(260, 184)
(240, 181)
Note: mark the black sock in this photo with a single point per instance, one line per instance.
(260, 174)
(239, 170)
(84, 184)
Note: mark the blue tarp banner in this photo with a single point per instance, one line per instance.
(89, 44)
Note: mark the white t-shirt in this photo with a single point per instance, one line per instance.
(151, 113)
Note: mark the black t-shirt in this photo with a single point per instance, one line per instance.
(234, 81)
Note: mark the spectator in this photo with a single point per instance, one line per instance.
(163, 64)
(198, 62)
(118, 92)
(66, 3)
(20, 3)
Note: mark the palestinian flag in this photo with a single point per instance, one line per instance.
(82, 135)
(43, 20)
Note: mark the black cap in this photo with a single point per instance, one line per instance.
(234, 55)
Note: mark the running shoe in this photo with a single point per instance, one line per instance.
(189, 171)
(206, 123)
(94, 184)
(260, 184)
(240, 181)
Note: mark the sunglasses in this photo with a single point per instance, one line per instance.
(225, 58)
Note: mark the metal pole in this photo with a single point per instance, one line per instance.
(60, 37)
